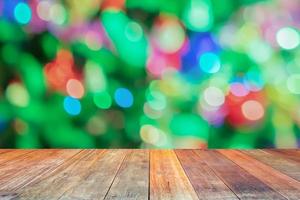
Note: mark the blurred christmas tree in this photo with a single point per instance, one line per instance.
(149, 74)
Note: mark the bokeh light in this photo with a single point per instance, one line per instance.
(75, 88)
(198, 15)
(210, 62)
(238, 89)
(149, 74)
(252, 110)
(288, 38)
(22, 13)
(72, 106)
(123, 97)
(168, 35)
(150, 134)
(214, 96)
(17, 95)
(102, 100)
(43, 10)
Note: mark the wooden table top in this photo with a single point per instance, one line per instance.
(149, 174)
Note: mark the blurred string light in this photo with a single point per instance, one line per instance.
(72, 106)
(75, 88)
(200, 44)
(156, 100)
(238, 89)
(57, 13)
(193, 70)
(133, 31)
(43, 10)
(252, 110)
(214, 96)
(94, 77)
(102, 100)
(17, 94)
(152, 135)
(152, 113)
(60, 70)
(198, 15)
(22, 13)
(51, 11)
(123, 97)
(168, 34)
(288, 38)
(210, 62)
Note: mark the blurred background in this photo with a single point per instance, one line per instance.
(149, 74)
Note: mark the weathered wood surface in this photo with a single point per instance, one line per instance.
(149, 174)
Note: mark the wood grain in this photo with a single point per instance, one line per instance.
(10, 155)
(149, 174)
(291, 154)
(243, 184)
(52, 185)
(205, 182)
(132, 180)
(96, 181)
(5, 150)
(167, 178)
(25, 169)
(77, 180)
(286, 166)
(285, 185)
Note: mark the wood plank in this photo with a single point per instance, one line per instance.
(286, 166)
(10, 155)
(291, 154)
(132, 180)
(5, 150)
(131, 174)
(52, 186)
(78, 175)
(286, 186)
(242, 183)
(19, 172)
(92, 181)
(167, 178)
(205, 182)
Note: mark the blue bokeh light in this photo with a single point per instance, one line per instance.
(209, 62)
(22, 13)
(72, 106)
(123, 97)
(199, 43)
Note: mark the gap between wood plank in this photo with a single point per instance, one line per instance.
(210, 169)
(50, 171)
(289, 168)
(116, 174)
(167, 178)
(243, 183)
(131, 180)
(103, 170)
(279, 182)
